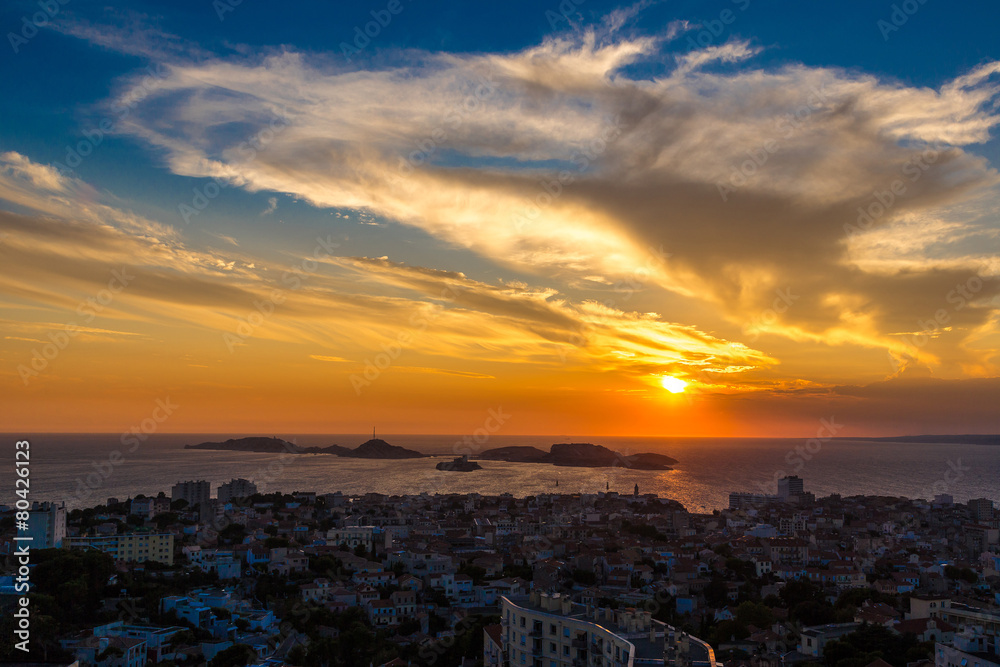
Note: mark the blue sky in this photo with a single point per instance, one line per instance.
(662, 253)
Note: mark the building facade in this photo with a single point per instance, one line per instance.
(549, 630)
(46, 525)
(236, 489)
(133, 547)
(193, 492)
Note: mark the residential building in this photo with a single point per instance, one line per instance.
(550, 629)
(236, 489)
(46, 525)
(493, 646)
(789, 487)
(812, 640)
(194, 493)
(981, 509)
(147, 508)
(131, 547)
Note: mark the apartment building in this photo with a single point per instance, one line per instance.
(132, 547)
(549, 630)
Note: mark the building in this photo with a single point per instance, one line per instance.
(550, 629)
(789, 487)
(971, 648)
(108, 651)
(981, 508)
(493, 645)
(353, 536)
(957, 614)
(236, 489)
(193, 492)
(147, 508)
(739, 500)
(132, 547)
(813, 640)
(46, 525)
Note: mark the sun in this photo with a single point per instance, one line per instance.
(672, 384)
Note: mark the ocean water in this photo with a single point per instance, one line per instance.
(86, 469)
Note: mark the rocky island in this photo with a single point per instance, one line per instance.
(376, 448)
(580, 455)
(459, 464)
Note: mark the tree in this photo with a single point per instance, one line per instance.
(233, 532)
(870, 642)
(237, 655)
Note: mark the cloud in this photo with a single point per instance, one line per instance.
(129, 32)
(555, 161)
(272, 206)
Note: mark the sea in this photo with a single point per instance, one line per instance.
(84, 470)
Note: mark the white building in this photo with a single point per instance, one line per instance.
(236, 489)
(193, 492)
(550, 629)
(813, 640)
(46, 525)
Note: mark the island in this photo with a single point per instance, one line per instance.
(376, 448)
(459, 464)
(580, 455)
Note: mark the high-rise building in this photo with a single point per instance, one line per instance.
(789, 487)
(194, 493)
(981, 508)
(46, 525)
(236, 489)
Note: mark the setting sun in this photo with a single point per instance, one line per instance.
(672, 384)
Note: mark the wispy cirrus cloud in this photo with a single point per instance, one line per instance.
(476, 159)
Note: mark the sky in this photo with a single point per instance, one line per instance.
(728, 218)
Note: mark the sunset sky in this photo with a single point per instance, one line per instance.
(285, 225)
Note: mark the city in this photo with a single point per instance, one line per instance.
(568, 580)
(533, 333)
